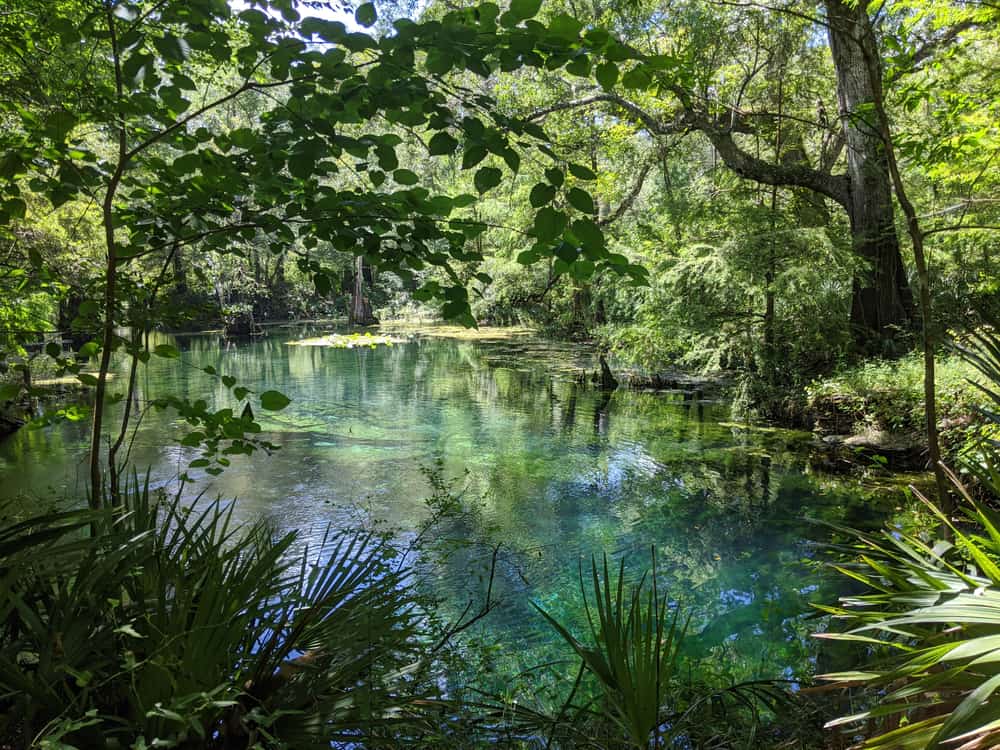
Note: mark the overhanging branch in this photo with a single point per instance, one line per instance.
(630, 197)
(753, 168)
(741, 162)
(649, 121)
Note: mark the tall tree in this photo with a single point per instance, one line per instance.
(882, 298)
(691, 96)
(359, 311)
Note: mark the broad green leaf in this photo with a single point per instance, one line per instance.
(564, 27)
(243, 137)
(274, 400)
(405, 177)
(525, 9)
(172, 48)
(527, 257)
(566, 252)
(487, 178)
(89, 349)
(541, 194)
(438, 62)
(582, 270)
(442, 144)
(512, 159)
(581, 200)
(549, 224)
(167, 351)
(366, 15)
(15, 208)
(387, 159)
(637, 78)
(579, 66)
(590, 236)
(607, 74)
(474, 153)
(441, 205)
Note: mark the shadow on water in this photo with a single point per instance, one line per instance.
(557, 472)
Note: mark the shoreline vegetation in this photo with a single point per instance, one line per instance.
(800, 201)
(860, 415)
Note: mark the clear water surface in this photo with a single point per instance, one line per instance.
(552, 470)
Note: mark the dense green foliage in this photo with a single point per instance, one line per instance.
(931, 607)
(782, 193)
(172, 626)
(707, 158)
(141, 139)
(885, 397)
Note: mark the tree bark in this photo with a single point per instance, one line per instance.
(96, 498)
(882, 303)
(180, 274)
(360, 312)
(928, 343)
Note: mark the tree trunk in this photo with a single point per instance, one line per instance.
(607, 381)
(69, 309)
(882, 302)
(278, 284)
(923, 287)
(360, 312)
(581, 304)
(180, 273)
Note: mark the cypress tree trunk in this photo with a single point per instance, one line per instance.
(882, 302)
(180, 273)
(360, 312)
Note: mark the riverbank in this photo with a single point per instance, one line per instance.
(869, 413)
(44, 401)
(877, 408)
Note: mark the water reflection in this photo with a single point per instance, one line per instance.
(558, 471)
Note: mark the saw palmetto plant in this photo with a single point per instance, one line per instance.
(932, 614)
(931, 610)
(639, 690)
(158, 625)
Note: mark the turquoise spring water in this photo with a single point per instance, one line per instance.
(550, 470)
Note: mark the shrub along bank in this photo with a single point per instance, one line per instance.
(878, 405)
